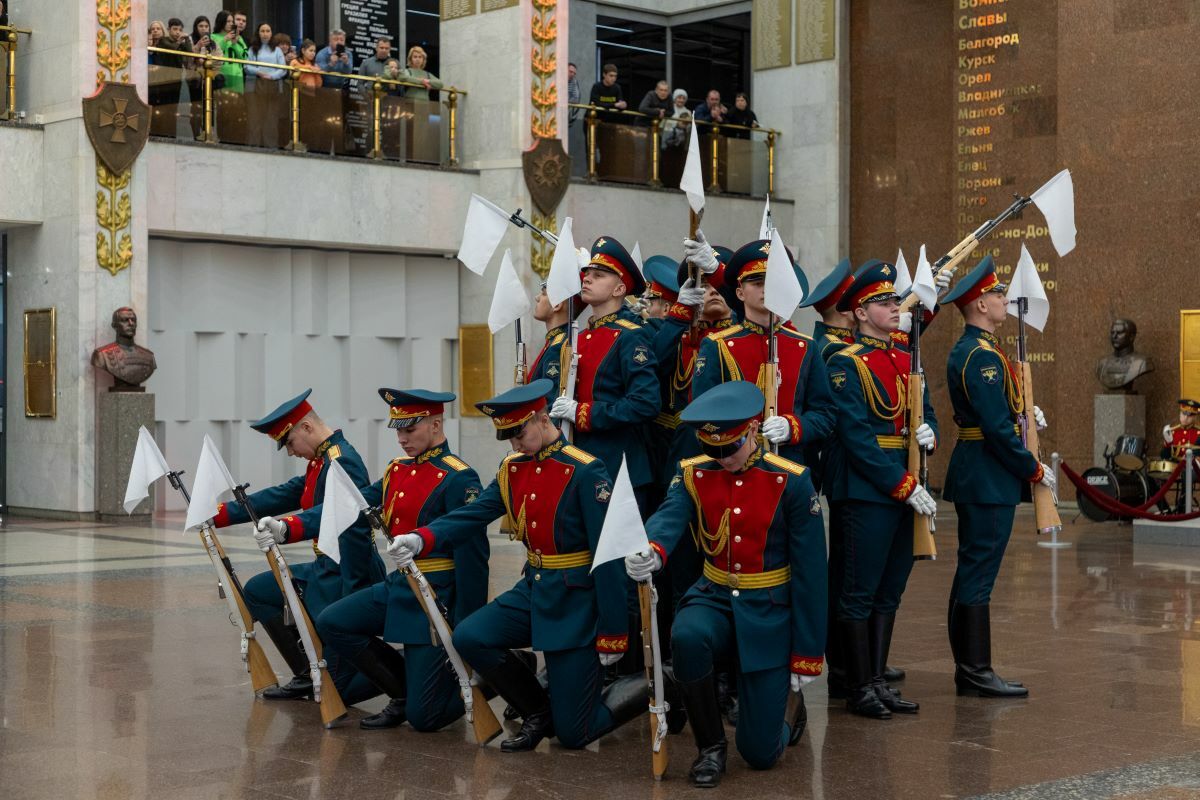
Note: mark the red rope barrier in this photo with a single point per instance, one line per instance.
(1118, 508)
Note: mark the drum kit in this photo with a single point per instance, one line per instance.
(1129, 478)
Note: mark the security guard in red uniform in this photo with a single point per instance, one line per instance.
(295, 426)
(762, 594)
(554, 496)
(428, 482)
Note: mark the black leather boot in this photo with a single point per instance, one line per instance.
(627, 698)
(700, 697)
(797, 716)
(861, 698)
(383, 666)
(727, 696)
(893, 674)
(879, 627)
(515, 682)
(676, 714)
(529, 659)
(973, 674)
(287, 641)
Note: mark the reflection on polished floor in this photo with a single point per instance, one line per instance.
(120, 679)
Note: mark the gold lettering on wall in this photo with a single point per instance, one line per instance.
(816, 30)
(455, 9)
(771, 33)
(474, 368)
(41, 363)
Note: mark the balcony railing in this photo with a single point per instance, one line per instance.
(8, 68)
(632, 147)
(368, 118)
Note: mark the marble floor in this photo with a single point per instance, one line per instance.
(119, 678)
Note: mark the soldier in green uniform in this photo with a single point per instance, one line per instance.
(762, 593)
(554, 496)
(870, 488)
(428, 482)
(988, 471)
(548, 362)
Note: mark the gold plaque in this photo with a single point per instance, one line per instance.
(474, 368)
(41, 357)
(455, 9)
(771, 33)
(816, 28)
(1189, 353)
(495, 5)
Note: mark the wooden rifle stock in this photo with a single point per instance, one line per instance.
(693, 271)
(658, 759)
(1045, 506)
(770, 372)
(951, 260)
(261, 674)
(923, 545)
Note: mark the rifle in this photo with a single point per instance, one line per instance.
(960, 251)
(521, 373)
(261, 674)
(918, 460)
(1045, 502)
(652, 657)
(478, 712)
(324, 691)
(771, 368)
(694, 272)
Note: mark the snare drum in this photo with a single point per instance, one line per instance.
(1129, 488)
(1129, 453)
(1161, 468)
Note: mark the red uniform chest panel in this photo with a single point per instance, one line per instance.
(750, 353)
(751, 498)
(594, 346)
(406, 491)
(886, 366)
(536, 487)
(309, 496)
(1181, 438)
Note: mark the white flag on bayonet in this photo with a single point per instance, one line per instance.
(563, 281)
(510, 301)
(1028, 284)
(692, 182)
(482, 232)
(924, 286)
(1056, 199)
(903, 280)
(212, 481)
(782, 292)
(622, 533)
(147, 467)
(342, 504)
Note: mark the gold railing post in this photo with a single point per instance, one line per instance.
(295, 145)
(207, 137)
(452, 133)
(770, 163)
(655, 143)
(715, 188)
(10, 103)
(591, 145)
(376, 119)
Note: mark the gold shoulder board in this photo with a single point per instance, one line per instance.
(559, 339)
(694, 461)
(455, 463)
(579, 455)
(334, 451)
(725, 333)
(783, 463)
(628, 323)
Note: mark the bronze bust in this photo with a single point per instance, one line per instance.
(1118, 371)
(129, 364)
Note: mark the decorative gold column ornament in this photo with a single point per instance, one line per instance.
(546, 165)
(118, 123)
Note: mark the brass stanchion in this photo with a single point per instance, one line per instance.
(10, 105)
(770, 163)
(452, 113)
(295, 145)
(655, 144)
(376, 119)
(209, 71)
(715, 188)
(591, 144)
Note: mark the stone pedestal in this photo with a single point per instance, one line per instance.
(118, 417)
(1117, 414)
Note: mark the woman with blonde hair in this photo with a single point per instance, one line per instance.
(416, 73)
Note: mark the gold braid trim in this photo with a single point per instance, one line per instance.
(711, 543)
(875, 400)
(1012, 389)
(508, 525)
(731, 365)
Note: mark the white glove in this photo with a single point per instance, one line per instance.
(404, 549)
(640, 306)
(926, 437)
(582, 257)
(922, 502)
(609, 658)
(269, 532)
(1167, 437)
(690, 294)
(640, 566)
(1039, 418)
(1048, 480)
(942, 280)
(699, 252)
(776, 430)
(564, 408)
(905, 321)
(801, 680)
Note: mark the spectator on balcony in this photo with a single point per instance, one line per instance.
(201, 36)
(336, 58)
(165, 80)
(155, 34)
(3, 13)
(284, 43)
(574, 93)
(376, 65)
(307, 62)
(712, 110)
(201, 43)
(266, 84)
(657, 103)
(675, 128)
(741, 115)
(394, 72)
(606, 93)
(416, 73)
(231, 46)
(239, 23)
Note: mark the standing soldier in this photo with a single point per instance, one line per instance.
(554, 496)
(804, 413)
(548, 362)
(988, 470)
(1178, 437)
(662, 287)
(835, 329)
(430, 482)
(871, 491)
(662, 295)
(616, 388)
(296, 427)
(762, 594)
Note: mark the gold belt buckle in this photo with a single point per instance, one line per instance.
(535, 559)
(734, 580)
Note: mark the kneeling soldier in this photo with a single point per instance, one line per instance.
(762, 594)
(413, 491)
(555, 496)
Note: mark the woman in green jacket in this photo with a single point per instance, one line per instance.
(232, 46)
